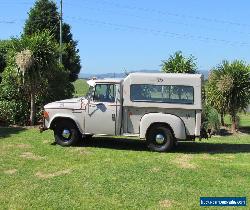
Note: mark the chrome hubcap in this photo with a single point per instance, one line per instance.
(159, 138)
(66, 133)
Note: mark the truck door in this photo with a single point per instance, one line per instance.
(102, 109)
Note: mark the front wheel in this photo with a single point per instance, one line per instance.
(160, 138)
(66, 133)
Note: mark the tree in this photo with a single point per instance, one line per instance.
(2, 56)
(4, 46)
(71, 58)
(216, 97)
(44, 16)
(177, 63)
(228, 89)
(33, 63)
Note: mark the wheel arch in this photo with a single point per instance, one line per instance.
(173, 122)
(57, 119)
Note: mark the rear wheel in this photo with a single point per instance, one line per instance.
(66, 133)
(160, 138)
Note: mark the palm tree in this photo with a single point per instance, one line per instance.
(228, 89)
(216, 94)
(25, 62)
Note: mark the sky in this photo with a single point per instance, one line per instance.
(118, 35)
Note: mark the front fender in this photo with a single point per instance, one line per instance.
(173, 121)
(68, 116)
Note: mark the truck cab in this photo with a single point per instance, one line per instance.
(103, 107)
(161, 108)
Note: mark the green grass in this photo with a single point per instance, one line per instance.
(116, 173)
(244, 119)
(81, 87)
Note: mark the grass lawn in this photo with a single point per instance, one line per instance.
(116, 173)
(244, 119)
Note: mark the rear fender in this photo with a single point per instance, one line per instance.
(174, 122)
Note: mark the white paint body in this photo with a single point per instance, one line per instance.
(123, 116)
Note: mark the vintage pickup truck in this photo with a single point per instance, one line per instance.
(161, 108)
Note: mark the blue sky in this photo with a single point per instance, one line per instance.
(116, 35)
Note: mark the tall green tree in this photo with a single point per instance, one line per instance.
(44, 16)
(178, 63)
(33, 66)
(229, 89)
(3, 52)
(4, 46)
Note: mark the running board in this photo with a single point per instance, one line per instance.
(130, 135)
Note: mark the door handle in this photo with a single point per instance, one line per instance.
(113, 117)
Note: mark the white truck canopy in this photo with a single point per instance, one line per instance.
(163, 79)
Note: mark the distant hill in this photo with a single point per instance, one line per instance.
(121, 75)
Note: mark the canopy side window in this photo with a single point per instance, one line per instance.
(178, 94)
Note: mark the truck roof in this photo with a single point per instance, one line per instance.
(163, 79)
(165, 75)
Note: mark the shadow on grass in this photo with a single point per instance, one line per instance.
(8, 131)
(115, 143)
(245, 129)
(226, 132)
(212, 148)
(183, 147)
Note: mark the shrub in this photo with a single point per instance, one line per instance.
(14, 106)
(210, 119)
(14, 112)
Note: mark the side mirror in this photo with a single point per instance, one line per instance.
(100, 104)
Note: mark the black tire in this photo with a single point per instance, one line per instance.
(165, 140)
(66, 133)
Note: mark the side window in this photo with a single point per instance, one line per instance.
(104, 93)
(178, 94)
